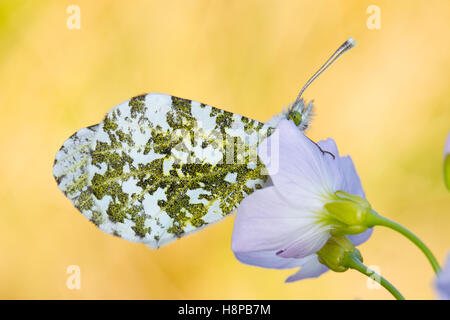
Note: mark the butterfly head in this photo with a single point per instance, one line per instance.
(300, 113)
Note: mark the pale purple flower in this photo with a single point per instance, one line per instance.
(283, 225)
(447, 162)
(447, 146)
(442, 282)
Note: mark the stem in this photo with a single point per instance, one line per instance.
(354, 263)
(375, 219)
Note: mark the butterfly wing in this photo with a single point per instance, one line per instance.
(159, 167)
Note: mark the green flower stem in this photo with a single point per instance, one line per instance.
(352, 262)
(374, 219)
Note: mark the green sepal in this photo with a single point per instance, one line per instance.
(347, 214)
(335, 252)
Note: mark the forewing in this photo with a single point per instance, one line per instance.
(159, 167)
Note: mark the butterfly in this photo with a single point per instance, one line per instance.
(159, 167)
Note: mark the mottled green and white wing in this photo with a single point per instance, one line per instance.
(159, 167)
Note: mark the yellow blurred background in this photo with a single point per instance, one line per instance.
(386, 102)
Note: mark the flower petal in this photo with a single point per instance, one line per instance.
(304, 171)
(447, 146)
(311, 268)
(447, 162)
(310, 239)
(329, 145)
(352, 183)
(360, 238)
(442, 282)
(267, 259)
(265, 222)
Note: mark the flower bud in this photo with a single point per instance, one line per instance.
(334, 254)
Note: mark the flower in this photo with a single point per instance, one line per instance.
(442, 281)
(447, 162)
(316, 194)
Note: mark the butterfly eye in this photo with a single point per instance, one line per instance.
(296, 117)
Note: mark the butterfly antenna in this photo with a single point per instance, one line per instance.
(347, 45)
